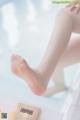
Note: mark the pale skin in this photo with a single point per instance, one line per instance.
(71, 56)
(66, 60)
(67, 52)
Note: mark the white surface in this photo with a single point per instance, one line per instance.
(71, 109)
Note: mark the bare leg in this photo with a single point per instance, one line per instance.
(38, 79)
(58, 83)
(70, 56)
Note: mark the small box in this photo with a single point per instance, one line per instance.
(27, 112)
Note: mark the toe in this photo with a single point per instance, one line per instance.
(19, 65)
(16, 58)
(17, 61)
(14, 69)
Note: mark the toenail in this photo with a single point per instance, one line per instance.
(14, 57)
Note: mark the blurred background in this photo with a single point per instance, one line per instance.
(25, 29)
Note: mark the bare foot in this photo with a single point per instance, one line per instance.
(35, 80)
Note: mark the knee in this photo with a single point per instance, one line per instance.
(64, 16)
